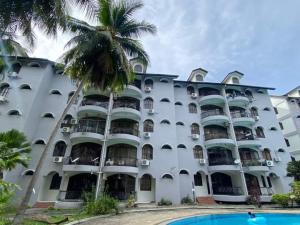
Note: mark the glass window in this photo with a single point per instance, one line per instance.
(260, 132)
(266, 154)
(148, 126)
(198, 179)
(192, 108)
(195, 129)
(198, 152)
(148, 103)
(147, 152)
(60, 149)
(145, 183)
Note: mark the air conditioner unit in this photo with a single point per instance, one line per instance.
(65, 130)
(58, 159)
(195, 136)
(147, 134)
(3, 99)
(237, 161)
(256, 118)
(193, 95)
(202, 161)
(148, 89)
(269, 163)
(73, 121)
(145, 162)
(151, 111)
(277, 159)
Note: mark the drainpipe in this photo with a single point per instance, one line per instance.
(99, 187)
(232, 135)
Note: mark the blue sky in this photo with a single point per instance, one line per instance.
(260, 38)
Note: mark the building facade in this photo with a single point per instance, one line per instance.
(159, 138)
(287, 108)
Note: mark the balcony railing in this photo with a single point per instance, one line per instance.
(82, 161)
(217, 135)
(253, 162)
(237, 114)
(220, 161)
(124, 104)
(244, 137)
(207, 93)
(92, 126)
(121, 161)
(227, 191)
(124, 130)
(103, 104)
(213, 112)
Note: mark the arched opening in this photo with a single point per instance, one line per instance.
(232, 93)
(266, 154)
(34, 64)
(16, 67)
(205, 91)
(215, 132)
(190, 90)
(249, 94)
(163, 80)
(55, 182)
(4, 89)
(79, 184)
(181, 146)
(126, 102)
(192, 108)
(220, 156)
(267, 109)
(39, 142)
(121, 155)
(97, 100)
(85, 154)
(254, 111)
(166, 147)
(165, 100)
(28, 172)
(138, 68)
(178, 103)
(235, 80)
(195, 129)
(148, 126)
(48, 115)
(177, 86)
(180, 124)
(124, 126)
(273, 128)
(252, 183)
(199, 77)
(14, 113)
(198, 152)
(148, 103)
(237, 112)
(249, 157)
(120, 186)
(167, 176)
(70, 95)
(149, 83)
(243, 133)
(25, 87)
(165, 122)
(55, 92)
(60, 149)
(147, 152)
(222, 184)
(211, 110)
(67, 121)
(145, 182)
(183, 172)
(260, 132)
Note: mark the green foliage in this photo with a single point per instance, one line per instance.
(281, 199)
(187, 200)
(102, 205)
(293, 170)
(164, 202)
(131, 201)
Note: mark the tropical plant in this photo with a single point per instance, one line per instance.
(102, 205)
(164, 202)
(187, 200)
(293, 170)
(281, 199)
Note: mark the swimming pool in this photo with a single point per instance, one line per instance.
(241, 219)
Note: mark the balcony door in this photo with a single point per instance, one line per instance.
(120, 186)
(252, 184)
(80, 183)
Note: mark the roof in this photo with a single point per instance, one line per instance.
(230, 74)
(296, 88)
(28, 58)
(158, 75)
(192, 73)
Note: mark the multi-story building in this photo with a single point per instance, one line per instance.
(159, 138)
(287, 108)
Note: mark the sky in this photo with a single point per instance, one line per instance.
(260, 38)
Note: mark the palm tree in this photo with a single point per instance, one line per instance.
(99, 57)
(293, 170)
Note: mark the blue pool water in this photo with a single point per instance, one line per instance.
(241, 219)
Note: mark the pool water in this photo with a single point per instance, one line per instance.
(241, 219)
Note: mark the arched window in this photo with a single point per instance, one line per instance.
(195, 128)
(273, 128)
(177, 86)
(145, 182)
(40, 142)
(287, 142)
(34, 64)
(178, 103)
(147, 152)
(235, 80)
(185, 172)
(180, 124)
(14, 113)
(266, 154)
(165, 122)
(248, 93)
(254, 111)
(57, 92)
(148, 103)
(149, 83)
(260, 132)
(166, 147)
(190, 90)
(165, 100)
(4, 88)
(60, 149)
(138, 68)
(267, 109)
(181, 146)
(16, 67)
(167, 176)
(198, 152)
(148, 126)
(25, 87)
(198, 179)
(281, 150)
(28, 172)
(192, 108)
(163, 80)
(55, 182)
(67, 121)
(199, 77)
(48, 115)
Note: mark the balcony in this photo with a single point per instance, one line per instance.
(88, 130)
(93, 107)
(240, 118)
(218, 139)
(228, 194)
(222, 164)
(121, 165)
(124, 135)
(133, 90)
(123, 108)
(247, 141)
(212, 99)
(255, 165)
(237, 99)
(80, 165)
(214, 116)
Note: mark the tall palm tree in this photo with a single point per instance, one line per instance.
(99, 57)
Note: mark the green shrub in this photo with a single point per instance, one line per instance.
(164, 202)
(281, 199)
(102, 205)
(187, 200)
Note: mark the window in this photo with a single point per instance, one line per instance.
(138, 68)
(178, 103)
(199, 77)
(167, 176)
(267, 109)
(195, 129)
(287, 142)
(165, 100)
(25, 87)
(48, 115)
(16, 67)
(248, 93)
(67, 121)
(260, 132)
(276, 110)
(177, 86)
(55, 182)
(198, 152)
(28, 172)
(34, 64)
(273, 128)
(269, 181)
(145, 182)
(281, 150)
(235, 80)
(147, 152)
(266, 154)
(180, 124)
(4, 88)
(192, 108)
(263, 181)
(190, 90)
(166, 147)
(198, 179)
(181, 146)
(281, 125)
(148, 103)
(40, 142)
(163, 81)
(254, 111)
(148, 126)
(14, 113)
(149, 83)
(184, 172)
(165, 122)
(60, 149)
(57, 92)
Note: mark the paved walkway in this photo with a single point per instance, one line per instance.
(161, 217)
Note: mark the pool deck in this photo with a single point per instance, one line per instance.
(165, 215)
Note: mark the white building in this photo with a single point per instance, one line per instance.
(160, 138)
(287, 108)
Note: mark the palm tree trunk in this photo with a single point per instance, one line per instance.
(25, 201)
